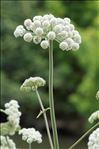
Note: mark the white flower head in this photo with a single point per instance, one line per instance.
(32, 83)
(97, 95)
(12, 110)
(94, 116)
(93, 142)
(30, 135)
(49, 27)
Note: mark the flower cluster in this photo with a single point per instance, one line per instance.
(12, 110)
(94, 116)
(32, 83)
(30, 135)
(42, 29)
(94, 140)
(5, 141)
(97, 95)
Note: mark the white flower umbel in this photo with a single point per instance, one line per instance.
(30, 135)
(94, 116)
(32, 83)
(49, 27)
(7, 143)
(12, 110)
(97, 95)
(94, 140)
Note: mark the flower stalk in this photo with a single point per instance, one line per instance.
(45, 118)
(82, 137)
(51, 99)
(30, 146)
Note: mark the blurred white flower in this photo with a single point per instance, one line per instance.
(32, 83)
(49, 27)
(12, 110)
(93, 142)
(94, 116)
(30, 135)
(97, 95)
(4, 143)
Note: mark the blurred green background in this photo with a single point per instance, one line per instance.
(76, 74)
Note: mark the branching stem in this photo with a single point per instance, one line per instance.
(45, 118)
(82, 137)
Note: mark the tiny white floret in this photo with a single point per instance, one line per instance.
(28, 37)
(51, 35)
(75, 46)
(44, 44)
(63, 45)
(39, 31)
(28, 23)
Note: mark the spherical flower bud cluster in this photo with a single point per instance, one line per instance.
(94, 140)
(94, 116)
(97, 95)
(27, 24)
(30, 135)
(49, 27)
(44, 44)
(28, 37)
(32, 83)
(12, 110)
(4, 143)
(19, 31)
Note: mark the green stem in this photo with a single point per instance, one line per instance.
(82, 137)
(30, 147)
(7, 143)
(46, 120)
(51, 100)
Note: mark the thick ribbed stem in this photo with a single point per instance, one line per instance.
(82, 137)
(51, 100)
(46, 120)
